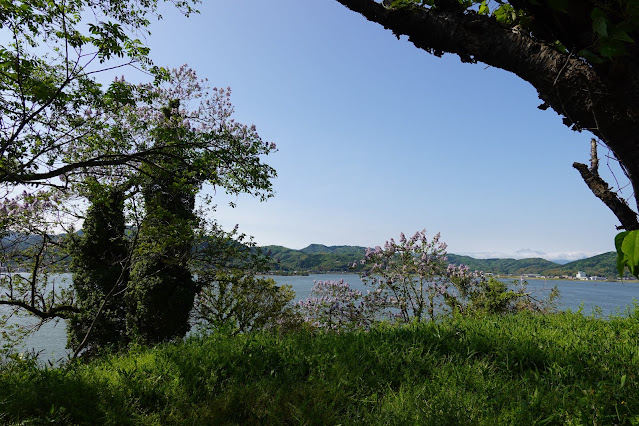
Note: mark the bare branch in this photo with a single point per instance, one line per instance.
(594, 161)
(600, 188)
(62, 311)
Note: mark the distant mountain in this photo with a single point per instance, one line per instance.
(318, 258)
(314, 258)
(505, 266)
(338, 250)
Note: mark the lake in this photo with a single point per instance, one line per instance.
(609, 297)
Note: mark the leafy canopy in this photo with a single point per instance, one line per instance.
(49, 97)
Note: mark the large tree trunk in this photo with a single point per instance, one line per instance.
(601, 100)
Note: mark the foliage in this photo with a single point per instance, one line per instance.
(506, 266)
(100, 269)
(492, 296)
(561, 368)
(627, 245)
(233, 297)
(50, 102)
(157, 142)
(335, 306)
(202, 144)
(318, 259)
(194, 142)
(161, 291)
(240, 302)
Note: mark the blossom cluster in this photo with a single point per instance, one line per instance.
(177, 113)
(334, 305)
(26, 203)
(200, 109)
(413, 270)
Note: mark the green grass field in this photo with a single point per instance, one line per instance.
(562, 368)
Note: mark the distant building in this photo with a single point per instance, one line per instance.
(581, 275)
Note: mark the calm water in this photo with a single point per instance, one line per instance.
(610, 297)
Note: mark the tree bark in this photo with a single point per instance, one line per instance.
(587, 98)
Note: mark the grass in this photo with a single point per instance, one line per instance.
(562, 368)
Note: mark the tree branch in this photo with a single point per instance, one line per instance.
(61, 311)
(587, 98)
(600, 188)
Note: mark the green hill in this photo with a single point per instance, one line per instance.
(504, 266)
(314, 258)
(318, 258)
(604, 264)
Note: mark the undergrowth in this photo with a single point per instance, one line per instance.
(562, 368)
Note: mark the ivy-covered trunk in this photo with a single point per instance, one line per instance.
(100, 273)
(162, 290)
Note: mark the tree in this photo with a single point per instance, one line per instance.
(201, 144)
(412, 281)
(233, 297)
(100, 269)
(162, 290)
(580, 55)
(60, 128)
(51, 110)
(335, 306)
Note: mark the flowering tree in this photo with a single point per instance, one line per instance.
(414, 271)
(207, 146)
(334, 305)
(412, 280)
(194, 140)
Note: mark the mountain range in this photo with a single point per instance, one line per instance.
(318, 258)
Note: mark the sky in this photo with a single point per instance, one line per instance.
(376, 137)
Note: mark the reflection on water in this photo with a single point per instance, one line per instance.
(609, 297)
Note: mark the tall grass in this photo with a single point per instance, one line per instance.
(561, 368)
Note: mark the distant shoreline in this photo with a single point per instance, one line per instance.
(499, 276)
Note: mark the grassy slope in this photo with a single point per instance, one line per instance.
(560, 369)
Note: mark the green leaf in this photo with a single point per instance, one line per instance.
(610, 48)
(599, 22)
(630, 247)
(623, 380)
(619, 239)
(621, 35)
(483, 8)
(591, 57)
(621, 257)
(621, 263)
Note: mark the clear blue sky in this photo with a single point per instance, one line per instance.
(376, 136)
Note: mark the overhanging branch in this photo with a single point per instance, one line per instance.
(600, 188)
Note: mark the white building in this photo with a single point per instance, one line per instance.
(581, 275)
